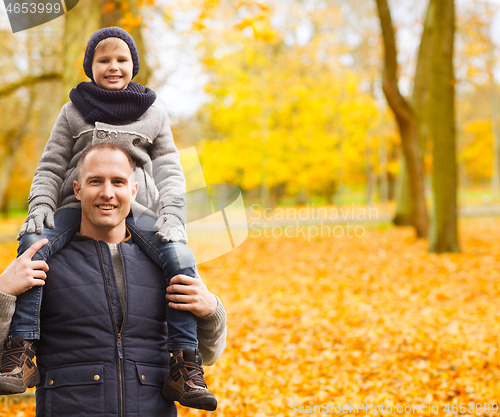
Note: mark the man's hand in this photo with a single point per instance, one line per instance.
(194, 294)
(23, 273)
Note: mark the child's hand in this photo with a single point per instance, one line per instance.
(170, 229)
(34, 222)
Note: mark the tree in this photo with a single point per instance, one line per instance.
(406, 120)
(279, 114)
(13, 141)
(405, 198)
(476, 58)
(17, 104)
(444, 230)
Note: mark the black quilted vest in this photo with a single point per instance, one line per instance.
(93, 361)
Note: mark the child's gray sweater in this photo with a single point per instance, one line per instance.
(148, 140)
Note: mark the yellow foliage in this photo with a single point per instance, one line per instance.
(129, 22)
(108, 7)
(374, 320)
(284, 112)
(251, 3)
(198, 26)
(260, 25)
(23, 409)
(284, 117)
(345, 320)
(477, 150)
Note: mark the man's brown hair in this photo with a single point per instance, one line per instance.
(98, 147)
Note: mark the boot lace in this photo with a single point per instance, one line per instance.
(11, 358)
(195, 373)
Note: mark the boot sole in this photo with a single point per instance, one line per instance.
(208, 403)
(7, 388)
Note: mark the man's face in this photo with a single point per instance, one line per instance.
(106, 190)
(112, 66)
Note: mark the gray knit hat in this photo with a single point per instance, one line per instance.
(111, 32)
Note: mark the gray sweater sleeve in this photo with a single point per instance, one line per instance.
(49, 175)
(7, 307)
(167, 172)
(212, 334)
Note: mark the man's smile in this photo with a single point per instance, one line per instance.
(105, 207)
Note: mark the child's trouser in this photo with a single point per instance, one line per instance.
(173, 258)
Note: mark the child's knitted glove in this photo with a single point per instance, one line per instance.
(37, 216)
(169, 228)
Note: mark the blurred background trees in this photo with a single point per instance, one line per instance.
(407, 123)
(287, 97)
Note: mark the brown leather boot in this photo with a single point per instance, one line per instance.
(186, 384)
(18, 371)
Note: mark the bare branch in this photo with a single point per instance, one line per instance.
(29, 81)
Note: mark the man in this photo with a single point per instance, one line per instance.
(103, 340)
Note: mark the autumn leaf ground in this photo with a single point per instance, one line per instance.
(374, 320)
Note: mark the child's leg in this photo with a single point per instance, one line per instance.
(26, 319)
(173, 258)
(185, 383)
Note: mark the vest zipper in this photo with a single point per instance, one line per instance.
(118, 333)
(120, 358)
(119, 345)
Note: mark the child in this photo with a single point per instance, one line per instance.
(111, 108)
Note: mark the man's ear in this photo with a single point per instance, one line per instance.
(76, 190)
(135, 188)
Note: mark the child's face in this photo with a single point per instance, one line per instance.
(112, 66)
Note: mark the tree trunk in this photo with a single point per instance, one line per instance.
(420, 94)
(329, 192)
(444, 233)
(4, 208)
(14, 137)
(371, 184)
(79, 26)
(13, 144)
(495, 130)
(274, 196)
(302, 197)
(392, 185)
(404, 198)
(145, 72)
(420, 100)
(384, 182)
(6, 169)
(406, 120)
